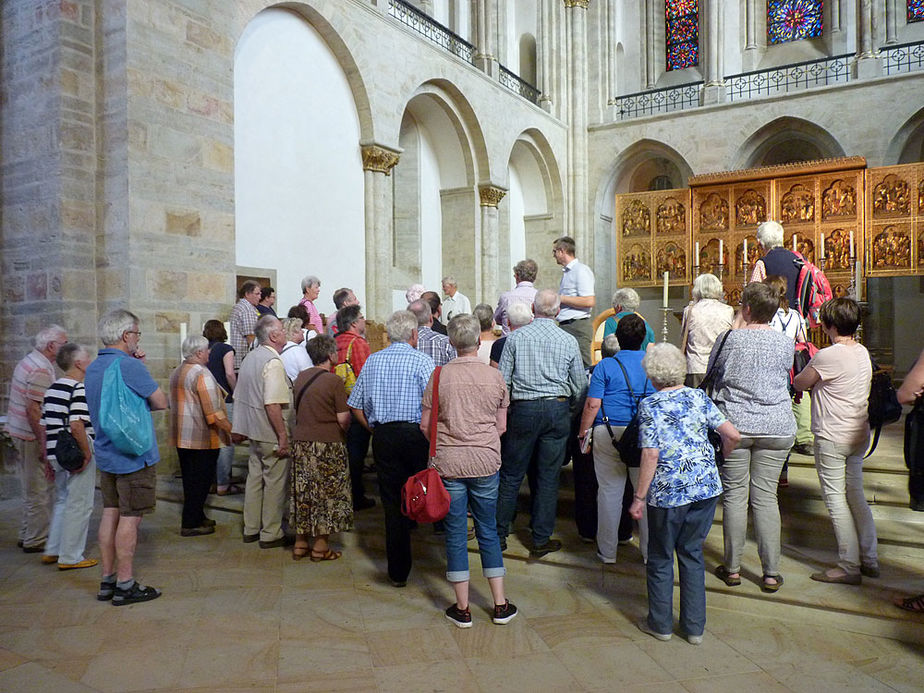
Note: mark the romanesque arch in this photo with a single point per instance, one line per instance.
(787, 140)
(907, 146)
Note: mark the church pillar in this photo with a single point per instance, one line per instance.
(750, 26)
(379, 198)
(867, 63)
(651, 76)
(576, 17)
(490, 196)
(714, 88)
(891, 22)
(544, 57)
(486, 31)
(611, 52)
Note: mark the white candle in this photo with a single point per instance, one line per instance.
(721, 251)
(795, 244)
(697, 253)
(745, 253)
(857, 281)
(184, 329)
(851, 246)
(666, 278)
(821, 250)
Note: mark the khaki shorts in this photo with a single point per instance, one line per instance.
(132, 494)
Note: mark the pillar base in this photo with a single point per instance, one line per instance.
(867, 67)
(713, 94)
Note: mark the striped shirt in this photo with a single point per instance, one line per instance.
(65, 402)
(391, 383)
(435, 345)
(196, 404)
(243, 322)
(542, 360)
(31, 377)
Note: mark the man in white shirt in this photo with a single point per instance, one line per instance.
(577, 295)
(455, 302)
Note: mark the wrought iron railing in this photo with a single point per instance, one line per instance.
(428, 27)
(787, 78)
(645, 103)
(517, 84)
(905, 57)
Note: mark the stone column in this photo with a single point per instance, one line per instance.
(378, 161)
(486, 32)
(544, 57)
(489, 196)
(714, 88)
(891, 22)
(750, 27)
(576, 17)
(651, 75)
(868, 63)
(613, 60)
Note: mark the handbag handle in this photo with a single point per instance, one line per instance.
(434, 410)
(710, 376)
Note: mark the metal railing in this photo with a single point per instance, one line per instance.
(905, 57)
(518, 85)
(645, 103)
(787, 78)
(431, 29)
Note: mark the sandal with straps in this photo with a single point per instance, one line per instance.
(771, 586)
(722, 573)
(299, 551)
(914, 604)
(329, 555)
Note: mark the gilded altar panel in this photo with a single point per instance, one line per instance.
(895, 220)
(652, 231)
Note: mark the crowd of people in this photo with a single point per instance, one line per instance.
(491, 396)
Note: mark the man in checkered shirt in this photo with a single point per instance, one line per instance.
(544, 371)
(386, 400)
(430, 342)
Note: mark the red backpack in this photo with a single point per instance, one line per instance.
(812, 289)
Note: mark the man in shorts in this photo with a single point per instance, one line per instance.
(127, 481)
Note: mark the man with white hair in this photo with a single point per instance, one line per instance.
(455, 303)
(261, 393)
(543, 369)
(776, 259)
(32, 376)
(626, 302)
(386, 399)
(127, 481)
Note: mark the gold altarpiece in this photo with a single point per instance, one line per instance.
(833, 199)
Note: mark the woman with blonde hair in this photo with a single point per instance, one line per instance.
(704, 319)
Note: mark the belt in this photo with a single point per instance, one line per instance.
(568, 322)
(542, 399)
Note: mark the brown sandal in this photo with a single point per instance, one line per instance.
(914, 604)
(329, 555)
(299, 551)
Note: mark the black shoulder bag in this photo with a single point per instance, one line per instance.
(708, 384)
(882, 406)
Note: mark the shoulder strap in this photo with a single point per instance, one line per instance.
(711, 374)
(434, 409)
(349, 354)
(625, 375)
(287, 348)
(298, 397)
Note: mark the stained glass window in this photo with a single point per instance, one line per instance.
(916, 10)
(793, 20)
(682, 33)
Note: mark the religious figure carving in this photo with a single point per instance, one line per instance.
(672, 258)
(837, 250)
(713, 213)
(753, 253)
(839, 290)
(671, 216)
(891, 197)
(636, 219)
(839, 200)
(709, 259)
(797, 205)
(805, 246)
(891, 249)
(921, 197)
(733, 296)
(636, 266)
(750, 208)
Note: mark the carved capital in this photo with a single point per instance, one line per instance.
(379, 159)
(582, 4)
(491, 195)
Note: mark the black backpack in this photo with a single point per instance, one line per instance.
(882, 407)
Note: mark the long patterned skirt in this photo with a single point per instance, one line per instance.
(321, 501)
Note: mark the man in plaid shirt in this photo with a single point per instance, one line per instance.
(386, 400)
(543, 369)
(433, 344)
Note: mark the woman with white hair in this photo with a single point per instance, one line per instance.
(311, 289)
(776, 260)
(293, 354)
(198, 425)
(704, 319)
(626, 302)
(679, 481)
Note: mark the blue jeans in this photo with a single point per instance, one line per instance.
(682, 529)
(478, 494)
(537, 428)
(225, 455)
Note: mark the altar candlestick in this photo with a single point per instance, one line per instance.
(795, 244)
(666, 278)
(721, 251)
(745, 253)
(821, 250)
(851, 244)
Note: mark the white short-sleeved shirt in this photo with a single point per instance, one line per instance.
(840, 397)
(577, 279)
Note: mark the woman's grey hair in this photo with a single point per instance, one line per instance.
(519, 314)
(48, 335)
(414, 292)
(449, 280)
(114, 324)
(485, 315)
(292, 327)
(309, 282)
(707, 286)
(464, 331)
(264, 328)
(627, 298)
(400, 325)
(610, 346)
(665, 365)
(69, 354)
(770, 234)
(547, 303)
(193, 344)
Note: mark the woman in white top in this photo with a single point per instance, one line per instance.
(704, 320)
(485, 315)
(839, 377)
(293, 354)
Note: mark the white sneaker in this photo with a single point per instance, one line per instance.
(695, 639)
(645, 628)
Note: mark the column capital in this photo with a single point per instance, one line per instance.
(490, 195)
(582, 4)
(379, 158)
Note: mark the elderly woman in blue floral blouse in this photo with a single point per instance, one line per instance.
(679, 481)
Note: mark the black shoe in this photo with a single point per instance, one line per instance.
(461, 617)
(548, 547)
(251, 538)
(398, 583)
(197, 531)
(208, 522)
(504, 613)
(276, 543)
(503, 544)
(363, 503)
(34, 549)
(134, 594)
(18, 544)
(106, 590)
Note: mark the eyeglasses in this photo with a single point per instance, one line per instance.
(133, 332)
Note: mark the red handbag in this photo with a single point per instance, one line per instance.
(423, 496)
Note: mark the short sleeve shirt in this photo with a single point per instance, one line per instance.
(676, 423)
(608, 384)
(577, 279)
(840, 397)
(31, 377)
(65, 402)
(243, 322)
(316, 413)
